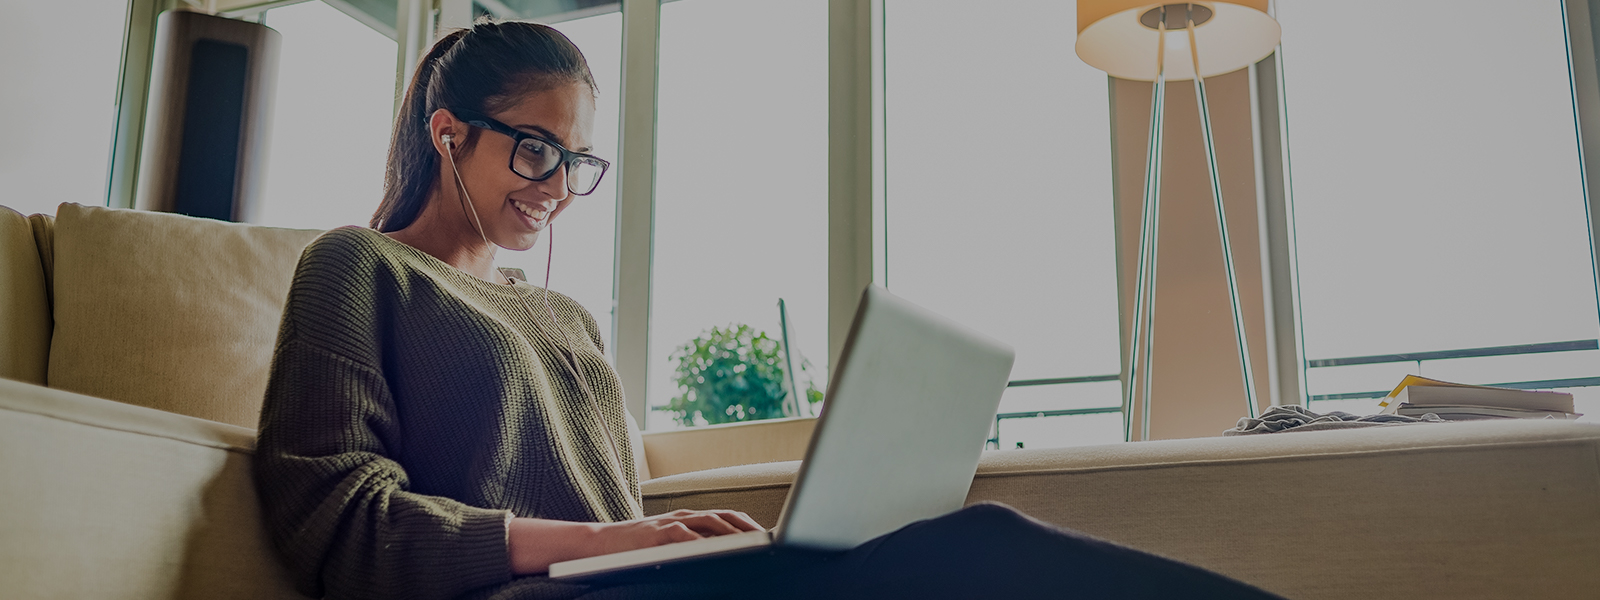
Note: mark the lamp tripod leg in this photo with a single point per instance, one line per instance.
(1144, 287)
(1141, 288)
(1222, 227)
(1157, 138)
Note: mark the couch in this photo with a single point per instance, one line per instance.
(133, 354)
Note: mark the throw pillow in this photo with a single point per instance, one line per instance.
(167, 311)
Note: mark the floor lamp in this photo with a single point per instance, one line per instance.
(1130, 40)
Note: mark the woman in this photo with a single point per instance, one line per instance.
(433, 429)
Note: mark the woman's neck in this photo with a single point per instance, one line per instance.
(449, 237)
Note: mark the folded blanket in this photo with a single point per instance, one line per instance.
(1297, 418)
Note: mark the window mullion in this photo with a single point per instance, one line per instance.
(636, 166)
(133, 91)
(1583, 54)
(851, 94)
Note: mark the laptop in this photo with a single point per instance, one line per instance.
(908, 411)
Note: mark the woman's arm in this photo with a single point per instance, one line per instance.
(535, 544)
(339, 508)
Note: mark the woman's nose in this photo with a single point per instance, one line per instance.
(557, 184)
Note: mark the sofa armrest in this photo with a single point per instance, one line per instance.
(1463, 510)
(710, 447)
(100, 499)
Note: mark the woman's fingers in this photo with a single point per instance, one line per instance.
(678, 532)
(684, 524)
(708, 523)
(740, 520)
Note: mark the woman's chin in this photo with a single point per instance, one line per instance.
(519, 243)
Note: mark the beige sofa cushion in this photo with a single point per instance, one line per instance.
(44, 238)
(110, 501)
(700, 448)
(1507, 509)
(167, 311)
(24, 302)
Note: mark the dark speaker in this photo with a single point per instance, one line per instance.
(205, 133)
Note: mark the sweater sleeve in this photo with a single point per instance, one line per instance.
(336, 504)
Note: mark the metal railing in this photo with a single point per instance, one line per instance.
(1416, 357)
(994, 442)
(1419, 357)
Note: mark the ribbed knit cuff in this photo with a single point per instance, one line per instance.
(482, 556)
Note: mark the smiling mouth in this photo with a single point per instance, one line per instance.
(533, 213)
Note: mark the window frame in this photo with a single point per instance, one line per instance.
(857, 243)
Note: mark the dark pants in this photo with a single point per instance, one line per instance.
(982, 551)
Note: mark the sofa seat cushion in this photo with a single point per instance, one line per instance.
(1461, 510)
(167, 311)
(24, 302)
(758, 489)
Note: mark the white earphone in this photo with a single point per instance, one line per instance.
(448, 140)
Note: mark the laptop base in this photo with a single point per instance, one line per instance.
(733, 567)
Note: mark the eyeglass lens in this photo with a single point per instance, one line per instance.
(536, 159)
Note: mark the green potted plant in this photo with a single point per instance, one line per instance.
(732, 374)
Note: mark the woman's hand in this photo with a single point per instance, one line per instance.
(676, 526)
(535, 544)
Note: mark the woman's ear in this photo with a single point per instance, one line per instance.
(445, 131)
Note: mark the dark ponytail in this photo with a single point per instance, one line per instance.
(484, 69)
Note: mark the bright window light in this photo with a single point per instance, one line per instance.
(999, 202)
(331, 119)
(61, 95)
(741, 198)
(1437, 190)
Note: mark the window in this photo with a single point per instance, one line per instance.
(1423, 168)
(331, 119)
(61, 95)
(1437, 194)
(741, 198)
(999, 201)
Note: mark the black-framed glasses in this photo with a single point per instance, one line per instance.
(536, 159)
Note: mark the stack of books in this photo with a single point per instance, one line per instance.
(1417, 396)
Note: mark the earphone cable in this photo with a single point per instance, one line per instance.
(466, 199)
(570, 358)
(572, 354)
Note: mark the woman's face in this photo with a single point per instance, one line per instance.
(513, 210)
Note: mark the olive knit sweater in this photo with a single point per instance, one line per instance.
(413, 409)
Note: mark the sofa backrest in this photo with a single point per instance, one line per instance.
(166, 311)
(24, 302)
(154, 309)
(696, 449)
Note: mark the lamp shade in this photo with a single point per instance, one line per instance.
(1230, 36)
